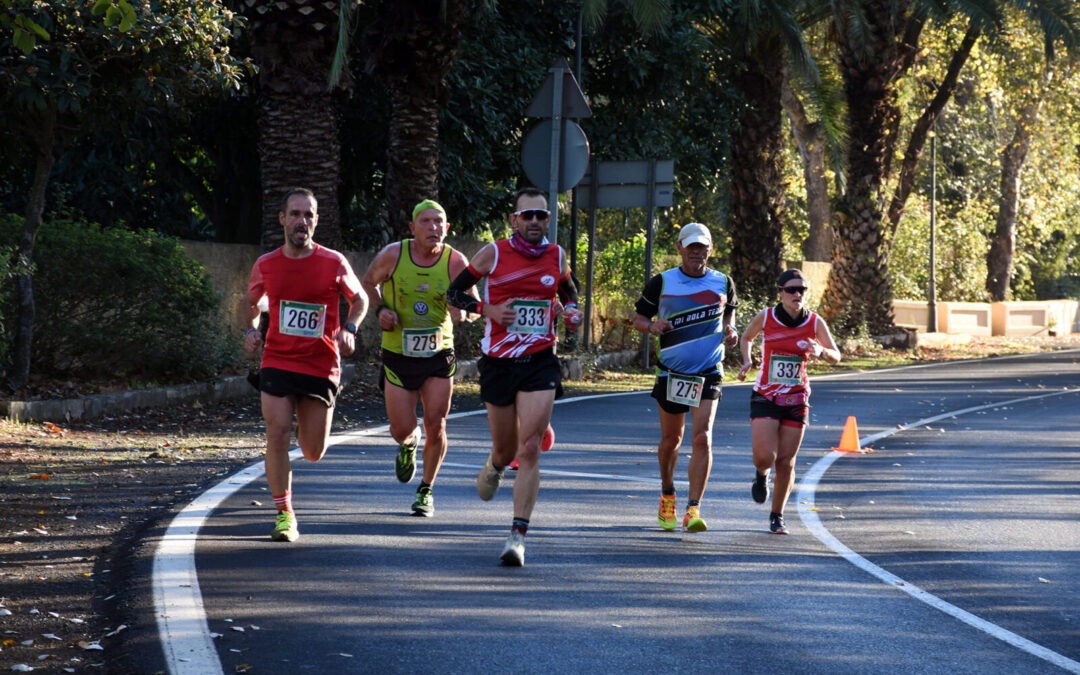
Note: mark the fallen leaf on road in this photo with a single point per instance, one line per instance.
(1045, 581)
(40, 476)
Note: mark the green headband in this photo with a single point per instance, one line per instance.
(424, 206)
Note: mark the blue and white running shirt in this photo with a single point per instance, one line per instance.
(695, 307)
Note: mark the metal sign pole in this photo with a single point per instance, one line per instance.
(590, 259)
(650, 205)
(556, 161)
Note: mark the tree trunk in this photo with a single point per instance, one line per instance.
(413, 44)
(757, 187)
(35, 209)
(859, 291)
(293, 42)
(999, 260)
(412, 155)
(299, 146)
(923, 126)
(810, 138)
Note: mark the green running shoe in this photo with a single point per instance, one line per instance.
(692, 521)
(405, 462)
(424, 505)
(285, 528)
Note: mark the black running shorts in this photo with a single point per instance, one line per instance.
(410, 372)
(789, 415)
(710, 391)
(277, 382)
(502, 379)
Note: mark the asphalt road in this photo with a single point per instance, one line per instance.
(954, 547)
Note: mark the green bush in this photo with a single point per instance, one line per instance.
(118, 304)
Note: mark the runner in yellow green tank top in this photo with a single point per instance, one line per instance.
(407, 283)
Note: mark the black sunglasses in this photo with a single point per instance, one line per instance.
(532, 214)
(794, 289)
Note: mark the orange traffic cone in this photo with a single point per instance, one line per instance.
(849, 442)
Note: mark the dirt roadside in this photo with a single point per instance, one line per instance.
(75, 499)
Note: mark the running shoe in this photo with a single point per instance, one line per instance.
(776, 523)
(513, 465)
(405, 462)
(759, 489)
(488, 480)
(424, 505)
(285, 527)
(547, 440)
(513, 554)
(666, 516)
(692, 521)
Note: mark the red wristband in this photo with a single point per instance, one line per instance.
(480, 307)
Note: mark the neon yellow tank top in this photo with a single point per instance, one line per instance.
(418, 295)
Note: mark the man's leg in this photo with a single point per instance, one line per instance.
(435, 393)
(701, 447)
(313, 418)
(278, 414)
(533, 415)
(400, 410)
(671, 435)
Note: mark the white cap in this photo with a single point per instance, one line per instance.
(694, 233)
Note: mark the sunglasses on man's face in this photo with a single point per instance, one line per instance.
(532, 214)
(793, 289)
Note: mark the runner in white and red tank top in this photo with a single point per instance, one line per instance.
(518, 371)
(780, 402)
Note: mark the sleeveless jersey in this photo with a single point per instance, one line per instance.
(418, 295)
(695, 307)
(533, 284)
(304, 317)
(783, 361)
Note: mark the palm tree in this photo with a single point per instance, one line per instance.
(878, 42)
(411, 48)
(764, 38)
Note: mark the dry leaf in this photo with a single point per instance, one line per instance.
(40, 476)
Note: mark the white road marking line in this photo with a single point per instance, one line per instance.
(808, 487)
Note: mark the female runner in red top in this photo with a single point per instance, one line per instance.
(780, 402)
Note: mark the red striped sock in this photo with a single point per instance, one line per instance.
(284, 502)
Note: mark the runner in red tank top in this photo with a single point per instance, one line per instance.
(301, 363)
(518, 371)
(780, 402)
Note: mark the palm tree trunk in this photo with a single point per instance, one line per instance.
(299, 146)
(412, 156)
(999, 260)
(44, 137)
(757, 188)
(859, 291)
(413, 44)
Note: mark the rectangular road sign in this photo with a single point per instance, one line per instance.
(626, 184)
(624, 196)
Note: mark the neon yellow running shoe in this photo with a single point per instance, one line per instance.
(666, 516)
(285, 528)
(692, 521)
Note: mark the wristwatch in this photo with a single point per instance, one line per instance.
(351, 327)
